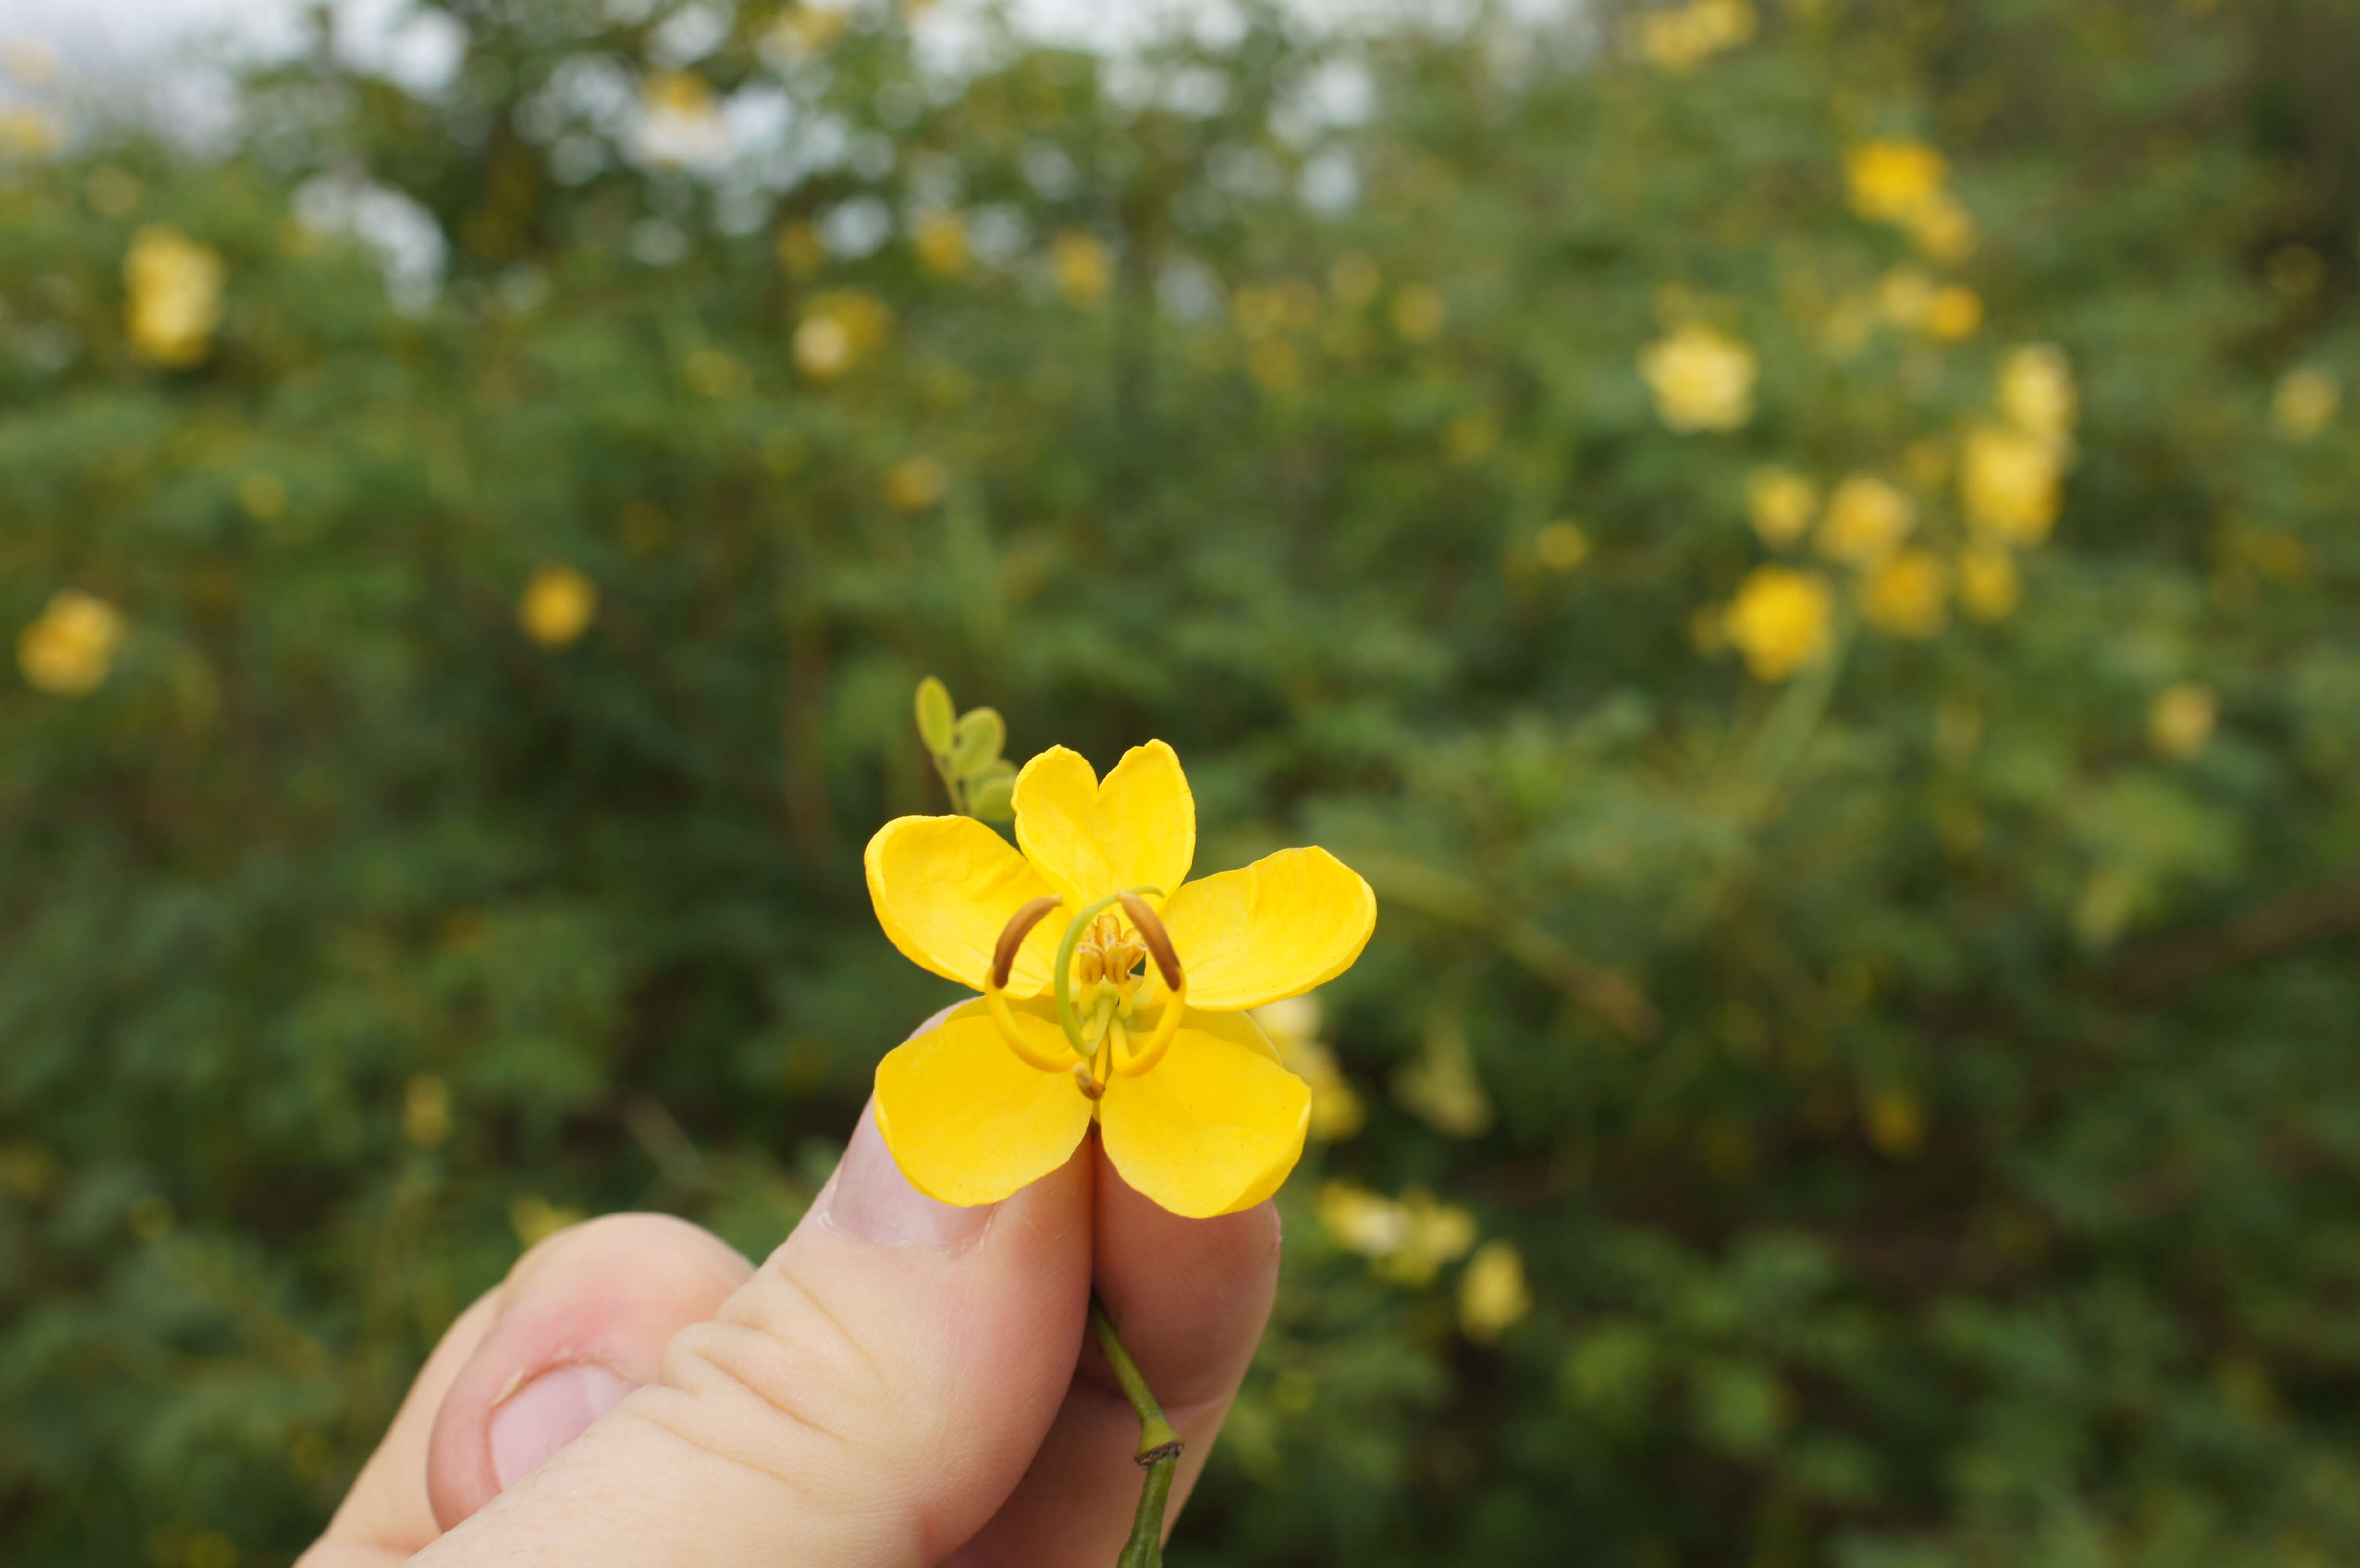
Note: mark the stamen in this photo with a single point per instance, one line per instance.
(1158, 942)
(1012, 937)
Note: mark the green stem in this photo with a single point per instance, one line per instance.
(1159, 1447)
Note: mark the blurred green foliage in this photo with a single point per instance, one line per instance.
(1922, 1091)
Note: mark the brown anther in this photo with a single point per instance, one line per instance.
(1091, 1088)
(1150, 927)
(1012, 937)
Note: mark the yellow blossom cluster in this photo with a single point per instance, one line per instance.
(1408, 1239)
(939, 241)
(173, 287)
(1703, 379)
(1906, 183)
(1084, 267)
(1780, 621)
(2305, 403)
(70, 647)
(2180, 721)
(1681, 37)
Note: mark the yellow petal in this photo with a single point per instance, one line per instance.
(945, 887)
(1287, 922)
(1136, 830)
(1212, 1129)
(968, 1122)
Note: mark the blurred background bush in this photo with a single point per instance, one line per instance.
(1806, 548)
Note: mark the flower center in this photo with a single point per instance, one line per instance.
(1098, 985)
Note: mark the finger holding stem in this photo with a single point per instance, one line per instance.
(1159, 1446)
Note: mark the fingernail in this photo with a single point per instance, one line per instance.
(547, 1413)
(875, 1200)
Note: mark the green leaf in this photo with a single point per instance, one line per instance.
(993, 797)
(937, 718)
(976, 742)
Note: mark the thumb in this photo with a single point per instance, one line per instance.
(870, 1396)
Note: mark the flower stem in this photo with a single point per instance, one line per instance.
(1159, 1447)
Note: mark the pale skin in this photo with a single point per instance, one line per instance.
(901, 1383)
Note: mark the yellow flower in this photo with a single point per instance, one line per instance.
(1906, 296)
(1954, 313)
(1780, 620)
(2179, 722)
(2304, 403)
(2036, 392)
(1492, 1295)
(940, 242)
(1561, 546)
(1780, 502)
(915, 484)
(1683, 36)
(1905, 594)
(1941, 229)
(175, 288)
(68, 649)
(1420, 313)
(839, 328)
(558, 606)
(1194, 1107)
(1866, 520)
(1084, 270)
(1988, 585)
(2009, 484)
(26, 132)
(1702, 380)
(1890, 182)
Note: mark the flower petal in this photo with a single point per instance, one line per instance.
(968, 1120)
(1287, 922)
(1138, 829)
(1212, 1129)
(945, 887)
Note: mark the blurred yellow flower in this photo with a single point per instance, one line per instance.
(70, 647)
(1274, 366)
(558, 606)
(840, 326)
(26, 132)
(1989, 587)
(1440, 1087)
(1896, 1123)
(679, 123)
(800, 248)
(174, 286)
(1293, 1026)
(1780, 620)
(1780, 504)
(2179, 722)
(1409, 1240)
(1471, 437)
(941, 243)
(426, 1110)
(2305, 403)
(1866, 520)
(1953, 313)
(1354, 278)
(1084, 268)
(535, 1219)
(1906, 297)
(1904, 595)
(1419, 313)
(915, 484)
(1703, 379)
(2009, 484)
(2036, 394)
(1681, 37)
(1492, 1295)
(1561, 546)
(1942, 230)
(1889, 180)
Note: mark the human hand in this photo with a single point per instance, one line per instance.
(901, 1383)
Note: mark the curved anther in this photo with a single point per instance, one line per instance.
(995, 1000)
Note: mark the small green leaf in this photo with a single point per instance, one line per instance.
(936, 716)
(976, 742)
(993, 797)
